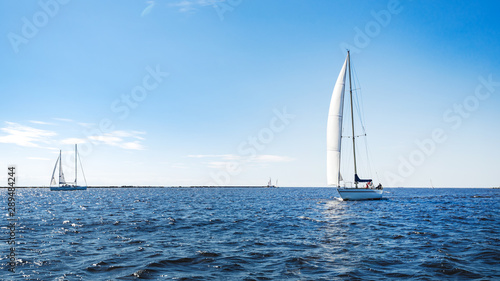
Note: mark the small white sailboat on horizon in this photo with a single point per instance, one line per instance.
(270, 184)
(62, 185)
(334, 141)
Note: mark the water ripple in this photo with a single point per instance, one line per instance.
(255, 234)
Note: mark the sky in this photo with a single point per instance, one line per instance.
(213, 92)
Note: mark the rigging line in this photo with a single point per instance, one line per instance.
(359, 100)
(361, 116)
(359, 112)
(360, 97)
(357, 106)
(83, 173)
(368, 160)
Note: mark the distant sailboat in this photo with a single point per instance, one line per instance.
(270, 183)
(62, 185)
(334, 141)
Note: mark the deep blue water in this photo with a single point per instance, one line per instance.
(253, 234)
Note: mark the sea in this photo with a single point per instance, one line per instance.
(252, 234)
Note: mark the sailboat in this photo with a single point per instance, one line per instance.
(63, 185)
(334, 140)
(270, 183)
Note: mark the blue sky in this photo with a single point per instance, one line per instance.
(197, 92)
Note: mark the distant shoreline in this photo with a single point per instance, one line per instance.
(228, 186)
(152, 186)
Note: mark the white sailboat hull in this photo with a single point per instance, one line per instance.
(360, 193)
(67, 188)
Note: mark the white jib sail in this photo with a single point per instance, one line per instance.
(53, 179)
(334, 129)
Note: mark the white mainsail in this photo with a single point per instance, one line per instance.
(61, 174)
(334, 129)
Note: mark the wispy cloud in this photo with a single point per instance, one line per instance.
(258, 158)
(272, 159)
(39, 158)
(135, 145)
(179, 166)
(86, 125)
(148, 9)
(40, 122)
(183, 6)
(25, 136)
(63, 119)
(123, 139)
(217, 164)
(192, 5)
(28, 136)
(222, 160)
(73, 141)
(119, 138)
(131, 134)
(221, 156)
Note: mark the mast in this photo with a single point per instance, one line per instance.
(76, 170)
(60, 167)
(352, 122)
